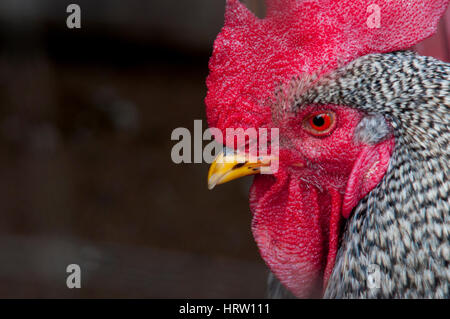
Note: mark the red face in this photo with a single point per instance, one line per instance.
(323, 137)
(298, 211)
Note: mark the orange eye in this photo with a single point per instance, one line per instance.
(320, 123)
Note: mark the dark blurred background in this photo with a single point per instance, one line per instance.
(86, 175)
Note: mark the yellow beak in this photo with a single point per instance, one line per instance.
(232, 165)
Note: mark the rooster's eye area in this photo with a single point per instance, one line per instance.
(320, 123)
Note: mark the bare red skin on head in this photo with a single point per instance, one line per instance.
(297, 212)
(252, 56)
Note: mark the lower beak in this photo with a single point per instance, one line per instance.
(230, 165)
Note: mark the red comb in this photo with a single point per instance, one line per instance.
(253, 55)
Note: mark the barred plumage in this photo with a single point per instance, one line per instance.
(403, 225)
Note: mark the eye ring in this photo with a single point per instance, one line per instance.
(320, 123)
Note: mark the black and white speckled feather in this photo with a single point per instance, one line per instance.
(402, 225)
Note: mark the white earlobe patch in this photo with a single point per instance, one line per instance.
(372, 129)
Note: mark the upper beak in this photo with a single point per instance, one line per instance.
(230, 165)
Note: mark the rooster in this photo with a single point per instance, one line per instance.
(363, 177)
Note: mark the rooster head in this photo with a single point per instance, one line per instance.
(330, 156)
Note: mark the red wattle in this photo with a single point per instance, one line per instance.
(297, 222)
(292, 231)
(367, 172)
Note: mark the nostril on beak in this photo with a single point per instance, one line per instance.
(239, 165)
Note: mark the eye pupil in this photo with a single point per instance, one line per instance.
(318, 121)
